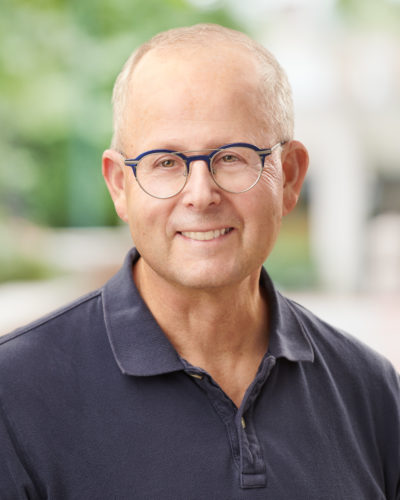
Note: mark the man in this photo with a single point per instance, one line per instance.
(188, 376)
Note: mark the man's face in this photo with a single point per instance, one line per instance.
(191, 100)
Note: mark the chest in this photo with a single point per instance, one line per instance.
(181, 437)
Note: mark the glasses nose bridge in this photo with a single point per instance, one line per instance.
(206, 158)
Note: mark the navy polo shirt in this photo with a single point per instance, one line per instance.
(95, 403)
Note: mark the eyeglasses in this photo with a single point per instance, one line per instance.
(235, 168)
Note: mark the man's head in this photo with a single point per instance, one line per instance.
(275, 92)
(198, 89)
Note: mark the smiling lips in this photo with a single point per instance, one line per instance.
(206, 235)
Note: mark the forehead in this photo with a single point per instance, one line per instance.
(194, 55)
(196, 66)
(194, 84)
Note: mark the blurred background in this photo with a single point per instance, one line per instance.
(338, 254)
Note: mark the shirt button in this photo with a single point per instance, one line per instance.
(243, 423)
(196, 375)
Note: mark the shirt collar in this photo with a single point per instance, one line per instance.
(288, 336)
(140, 347)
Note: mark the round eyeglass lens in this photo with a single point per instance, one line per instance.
(161, 175)
(236, 169)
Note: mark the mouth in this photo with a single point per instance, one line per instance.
(206, 235)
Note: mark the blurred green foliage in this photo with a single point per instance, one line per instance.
(25, 269)
(382, 14)
(58, 62)
(290, 264)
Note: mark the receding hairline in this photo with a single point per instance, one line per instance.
(199, 36)
(194, 37)
(207, 35)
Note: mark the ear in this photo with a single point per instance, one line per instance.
(294, 168)
(114, 175)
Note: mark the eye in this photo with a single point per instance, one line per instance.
(165, 162)
(229, 158)
(168, 163)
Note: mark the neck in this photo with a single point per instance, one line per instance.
(224, 331)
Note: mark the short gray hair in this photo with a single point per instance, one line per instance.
(275, 84)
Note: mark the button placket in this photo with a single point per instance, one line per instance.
(239, 423)
(252, 463)
(224, 408)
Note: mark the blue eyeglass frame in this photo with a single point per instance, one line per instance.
(262, 153)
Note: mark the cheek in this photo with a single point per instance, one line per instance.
(149, 218)
(136, 211)
(271, 178)
(271, 190)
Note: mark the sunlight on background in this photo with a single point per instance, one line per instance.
(339, 254)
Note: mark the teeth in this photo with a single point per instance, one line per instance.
(205, 235)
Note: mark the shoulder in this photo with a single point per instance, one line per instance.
(356, 389)
(345, 356)
(30, 344)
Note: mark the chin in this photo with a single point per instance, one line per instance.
(209, 277)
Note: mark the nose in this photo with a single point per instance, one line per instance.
(200, 191)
